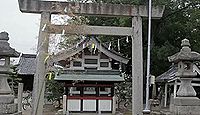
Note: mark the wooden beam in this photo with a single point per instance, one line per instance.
(90, 30)
(97, 9)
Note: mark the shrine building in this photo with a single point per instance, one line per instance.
(89, 71)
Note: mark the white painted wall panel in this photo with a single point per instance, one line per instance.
(89, 105)
(73, 105)
(105, 105)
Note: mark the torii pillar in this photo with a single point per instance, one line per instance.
(46, 8)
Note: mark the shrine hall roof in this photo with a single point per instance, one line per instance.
(63, 55)
(170, 74)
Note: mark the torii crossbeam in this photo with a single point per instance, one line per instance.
(97, 9)
(46, 8)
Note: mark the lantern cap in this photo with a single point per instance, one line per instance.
(185, 42)
(185, 53)
(5, 49)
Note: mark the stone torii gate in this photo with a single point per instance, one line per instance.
(46, 8)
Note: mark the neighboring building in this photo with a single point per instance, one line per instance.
(169, 83)
(89, 71)
(26, 70)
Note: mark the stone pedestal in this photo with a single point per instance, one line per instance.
(186, 103)
(7, 105)
(186, 106)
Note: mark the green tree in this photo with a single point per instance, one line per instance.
(54, 92)
(13, 79)
(180, 21)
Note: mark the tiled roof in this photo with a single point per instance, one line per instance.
(27, 64)
(83, 44)
(168, 75)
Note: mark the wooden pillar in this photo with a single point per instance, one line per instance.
(19, 96)
(39, 77)
(137, 67)
(175, 87)
(165, 101)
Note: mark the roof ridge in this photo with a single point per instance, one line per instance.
(29, 55)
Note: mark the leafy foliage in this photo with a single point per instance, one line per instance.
(14, 79)
(123, 91)
(180, 21)
(54, 91)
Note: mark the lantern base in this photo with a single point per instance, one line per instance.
(186, 106)
(186, 89)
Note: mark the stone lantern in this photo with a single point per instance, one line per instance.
(185, 102)
(7, 105)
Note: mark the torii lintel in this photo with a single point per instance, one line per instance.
(96, 9)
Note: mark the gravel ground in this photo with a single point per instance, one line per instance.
(50, 110)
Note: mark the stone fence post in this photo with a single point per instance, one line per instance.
(19, 98)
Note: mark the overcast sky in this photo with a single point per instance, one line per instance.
(23, 28)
